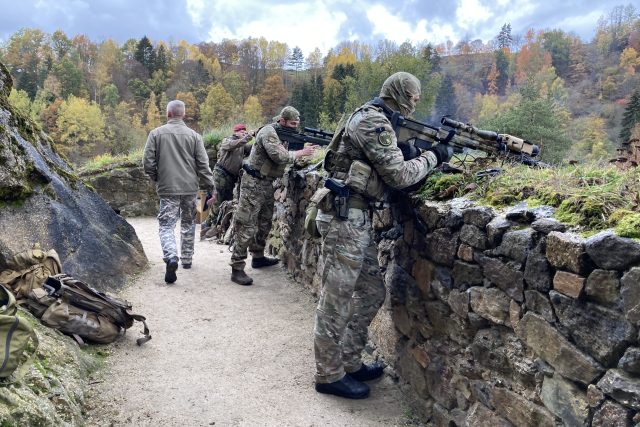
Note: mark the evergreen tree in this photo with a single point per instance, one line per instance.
(502, 66)
(145, 54)
(296, 60)
(631, 117)
(161, 60)
(504, 38)
(430, 55)
(445, 100)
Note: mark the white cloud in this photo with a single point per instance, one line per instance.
(470, 13)
(304, 24)
(391, 27)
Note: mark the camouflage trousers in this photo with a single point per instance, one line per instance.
(173, 208)
(223, 191)
(352, 293)
(252, 219)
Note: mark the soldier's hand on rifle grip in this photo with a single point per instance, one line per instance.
(306, 151)
(443, 152)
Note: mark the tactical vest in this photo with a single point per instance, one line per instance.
(260, 161)
(347, 163)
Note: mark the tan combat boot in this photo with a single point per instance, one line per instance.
(240, 277)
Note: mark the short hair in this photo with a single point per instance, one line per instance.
(176, 108)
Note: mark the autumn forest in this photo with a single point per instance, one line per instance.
(578, 99)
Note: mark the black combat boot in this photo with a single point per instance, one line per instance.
(170, 272)
(263, 262)
(240, 277)
(346, 387)
(368, 372)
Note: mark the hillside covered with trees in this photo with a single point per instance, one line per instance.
(577, 99)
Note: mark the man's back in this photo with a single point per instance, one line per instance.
(175, 157)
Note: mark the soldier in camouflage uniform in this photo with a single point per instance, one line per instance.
(176, 161)
(352, 286)
(225, 173)
(252, 219)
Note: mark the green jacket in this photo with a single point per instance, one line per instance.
(175, 158)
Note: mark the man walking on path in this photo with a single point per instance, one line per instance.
(225, 174)
(252, 219)
(176, 161)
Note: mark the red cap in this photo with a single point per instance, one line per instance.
(239, 127)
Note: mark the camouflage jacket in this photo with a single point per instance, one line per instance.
(231, 152)
(369, 137)
(268, 155)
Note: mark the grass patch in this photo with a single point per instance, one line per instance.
(107, 161)
(591, 197)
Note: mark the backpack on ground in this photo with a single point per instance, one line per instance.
(224, 221)
(15, 333)
(77, 309)
(29, 269)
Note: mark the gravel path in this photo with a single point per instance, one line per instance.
(223, 354)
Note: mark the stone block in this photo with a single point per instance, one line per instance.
(491, 304)
(603, 286)
(630, 292)
(600, 332)
(630, 361)
(503, 275)
(567, 251)
(515, 312)
(519, 410)
(539, 303)
(594, 396)
(611, 252)
(611, 414)
(411, 371)
(566, 401)
(478, 216)
(538, 272)
(496, 229)
(441, 246)
(465, 274)
(621, 387)
(473, 236)
(547, 225)
(516, 244)
(481, 416)
(568, 283)
(556, 350)
(423, 272)
(459, 302)
(465, 252)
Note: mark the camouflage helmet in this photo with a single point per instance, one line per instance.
(401, 87)
(289, 113)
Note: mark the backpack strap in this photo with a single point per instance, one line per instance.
(141, 318)
(20, 372)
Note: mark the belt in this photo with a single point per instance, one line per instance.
(251, 171)
(224, 171)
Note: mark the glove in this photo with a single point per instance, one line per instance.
(408, 151)
(443, 152)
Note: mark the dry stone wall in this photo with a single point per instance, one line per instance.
(495, 319)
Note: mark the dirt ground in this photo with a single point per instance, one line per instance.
(224, 354)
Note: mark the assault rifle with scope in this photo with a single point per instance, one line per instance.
(296, 139)
(413, 135)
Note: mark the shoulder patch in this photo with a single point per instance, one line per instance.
(384, 138)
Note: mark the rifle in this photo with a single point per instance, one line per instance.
(461, 136)
(295, 140)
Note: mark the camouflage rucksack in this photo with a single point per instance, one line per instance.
(29, 269)
(15, 333)
(77, 309)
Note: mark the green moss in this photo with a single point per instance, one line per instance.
(439, 182)
(629, 226)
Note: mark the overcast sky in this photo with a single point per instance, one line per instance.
(307, 24)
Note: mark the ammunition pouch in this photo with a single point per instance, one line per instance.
(364, 180)
(322, 200)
